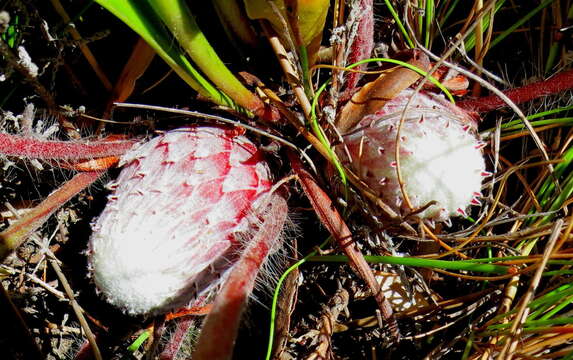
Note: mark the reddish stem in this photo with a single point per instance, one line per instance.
(177, 338)
(218, 334)
(334, 223)
(560, 82)
(12, 237)
(15, 145)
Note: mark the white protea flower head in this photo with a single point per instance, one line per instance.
(171, 230)
(440, 157)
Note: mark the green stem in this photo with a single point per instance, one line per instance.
(417, 262)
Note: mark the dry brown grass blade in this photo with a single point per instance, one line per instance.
(375, 94)
(331, 219)
(290, 73)
(77, 309)
(328, 319)
(136, 65)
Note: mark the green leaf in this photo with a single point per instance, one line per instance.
(177, 16)
(141, 18)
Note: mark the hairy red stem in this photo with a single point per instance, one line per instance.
(218, 334)
(560, 82)
(334, 223)
(12, 237)
(177, 338)
(16, 145)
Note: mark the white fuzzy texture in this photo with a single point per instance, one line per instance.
(440, 159)
(168, 234)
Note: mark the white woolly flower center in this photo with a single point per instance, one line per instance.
(440, 161)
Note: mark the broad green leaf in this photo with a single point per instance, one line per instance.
(140, 17)
(177, 16)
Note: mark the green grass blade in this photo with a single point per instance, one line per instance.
(520, 22)
(139, 341)
(429, 19)
(277, 293)
(432, 79)
(398, 21)
(418, 262)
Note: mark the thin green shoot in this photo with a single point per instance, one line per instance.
(562, 305)
(429, 19)
(519, 124)
(277, 293)
(432, 79)
(552, 56)
(12, 35)
(319, 132)
(449, 10)
(139, 341)
(558, 199)
(419, 262)
(468, 347)
(548, 112)
(549, 298)
(398, 21)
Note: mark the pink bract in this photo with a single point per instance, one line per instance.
(172, 228)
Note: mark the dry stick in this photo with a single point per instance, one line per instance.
(521, 317)
(76, 307)
(328, 319)
(292, 78)
(332, 220)
(55, 263)
(219, 331)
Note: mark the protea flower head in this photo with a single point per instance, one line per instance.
(171, 230)
(440, 157)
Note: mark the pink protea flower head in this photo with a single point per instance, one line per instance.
(172, 227)
(440, 157)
